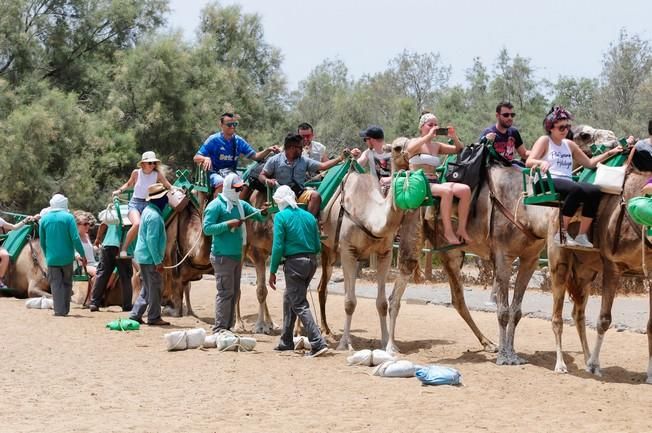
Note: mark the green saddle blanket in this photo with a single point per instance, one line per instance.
(333, 179)
(16, 240)
(640, 208)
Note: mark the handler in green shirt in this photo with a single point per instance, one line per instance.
(296, 237)
(59, 239)
(223, 220)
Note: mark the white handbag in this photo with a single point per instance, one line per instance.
(611, 179)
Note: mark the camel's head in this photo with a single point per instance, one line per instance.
(399, 154)
(585, 136)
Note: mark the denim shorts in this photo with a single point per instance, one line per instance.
(138, 204)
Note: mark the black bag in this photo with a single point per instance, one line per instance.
(642, 159)
(252, 176)
(467, 168)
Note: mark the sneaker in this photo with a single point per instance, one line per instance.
(3, 285)
(317, 352)
(557, 237)
(137, 320)
(158, 322)
(579, 241)
(282, 347)
(93, 308)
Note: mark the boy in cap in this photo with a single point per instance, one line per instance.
(149, 254)
(296, 237)
(59, 240)
(223, 220)
(375, 158)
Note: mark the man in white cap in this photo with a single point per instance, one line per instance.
(59, 240)
(296, 237)
(223, 220)
(149, 254)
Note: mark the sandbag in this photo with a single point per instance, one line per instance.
(177, 340)
(379, 356)
(438, 375)
(42, 303)
(361, 357)
(123, 325)
(227, 341)
(195, 337)
(301, 343)
(640, 208)
(210, 342)
(400, 368)
(410, 189)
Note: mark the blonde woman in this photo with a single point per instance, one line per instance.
(423, 153)
(148, 173)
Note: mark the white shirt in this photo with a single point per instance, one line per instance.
(560, 159)
(143, 182)
(316, 151)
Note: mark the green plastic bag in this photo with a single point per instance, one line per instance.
(410, 189)
(640, 208)
(123, 325)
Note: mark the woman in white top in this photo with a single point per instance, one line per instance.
(422, 153)
(556, 154)
(141, 178)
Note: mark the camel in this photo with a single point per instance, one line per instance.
(361, 222)
(503, 230)
(28, 275)
(620, 242)
(187, 259)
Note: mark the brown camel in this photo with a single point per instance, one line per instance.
(27, 276)
(502, 230)
(620, 243)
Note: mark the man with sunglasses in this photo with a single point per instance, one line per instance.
(506, 138)
(219, 153)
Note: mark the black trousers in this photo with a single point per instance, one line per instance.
(575, 194)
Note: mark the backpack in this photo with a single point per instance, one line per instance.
(410, 189)
(642, 158)
(251, 176)
(467, 168)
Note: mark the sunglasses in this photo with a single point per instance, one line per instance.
(231, 124)
(506, 115)
(563, 128)
(149, 163)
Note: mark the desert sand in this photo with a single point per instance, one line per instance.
(73, 375)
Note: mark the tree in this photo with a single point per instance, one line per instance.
(420, 76)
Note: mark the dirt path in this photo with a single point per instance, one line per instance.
(73, 375)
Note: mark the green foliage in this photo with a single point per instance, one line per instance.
(87, 85)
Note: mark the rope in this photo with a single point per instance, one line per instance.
(643, 236)
(199, 236)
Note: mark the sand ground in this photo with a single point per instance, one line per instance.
(73, 375)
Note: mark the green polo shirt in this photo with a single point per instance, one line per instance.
(295, 232)
(59, 238)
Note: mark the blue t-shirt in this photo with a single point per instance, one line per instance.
(224, 153)
(505, 144)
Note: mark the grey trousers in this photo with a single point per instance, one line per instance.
(108, 262)
(299, 271)
(60, 279)
(227, 281)
(150, 294)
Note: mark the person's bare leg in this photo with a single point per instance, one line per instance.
(314, 204)
(463, 192)
(585, 223)
(134, 217)
(445, 193)
(4, 263)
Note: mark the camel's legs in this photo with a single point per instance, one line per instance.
(580, 297)
(558, 276)
(527, 265)
(452, 263)
(502, 273)
(349, 267)
(186, 295)
(384, 260)
(400, 284)
(327, 259)
(264, 323)
(610, 279)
